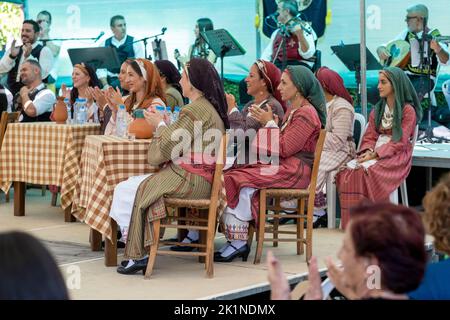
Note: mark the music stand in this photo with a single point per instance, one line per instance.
(98, 58)
(222, 43)
(349, 54)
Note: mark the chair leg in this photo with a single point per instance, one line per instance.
(300, 225)
(404, 193)
(309, 229)
(54, 198)
(276, 222)
(44, 190)
(331, 201)
(210, 234)
(261, 225)
(7, 196)
(153, 249)
(251, 232)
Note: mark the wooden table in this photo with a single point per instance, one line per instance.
(105, 162)
(43, 153)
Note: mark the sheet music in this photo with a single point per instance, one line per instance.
(353, 164)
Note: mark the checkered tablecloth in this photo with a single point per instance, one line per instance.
(106, 161)
(44, 153)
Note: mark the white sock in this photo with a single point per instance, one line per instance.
(224, 247)
(237, 244)
(192, 234)
(319, 212)
(130, 263)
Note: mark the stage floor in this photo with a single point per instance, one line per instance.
(173, 277)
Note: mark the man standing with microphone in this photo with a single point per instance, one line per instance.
(125, 48)
(30, 49)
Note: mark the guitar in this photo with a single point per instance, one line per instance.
(400, 51)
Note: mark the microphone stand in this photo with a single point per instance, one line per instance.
(426, 63)
(44, 41)
(158, 41)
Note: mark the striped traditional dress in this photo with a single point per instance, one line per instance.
(378, 181)
(294, 147)
(338, 147)
(195, 119)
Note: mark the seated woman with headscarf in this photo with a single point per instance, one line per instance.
(141, 198)
(145, 88)
(293, 144)
(338, 147)
(262, 84)
(385, 156)
(170, 77)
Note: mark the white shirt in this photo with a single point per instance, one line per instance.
(45, 60)
(310, 38)
(9, 98)
(138, 53)
(44, 100)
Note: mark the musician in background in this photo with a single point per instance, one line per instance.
(199, 49)
(30, 49)
(416, 18)
(125, 48)
(44, 20)
(300, 44)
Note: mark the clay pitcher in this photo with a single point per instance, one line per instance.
(60, 111)
(140, 127)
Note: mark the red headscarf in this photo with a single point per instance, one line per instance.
(272, 76)
(332, 82)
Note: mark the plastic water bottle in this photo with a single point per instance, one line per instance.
(176, 113)
(169, 114)
(69, 111)
(82, 111)
(121, 121)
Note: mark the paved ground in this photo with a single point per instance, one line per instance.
(173, 277)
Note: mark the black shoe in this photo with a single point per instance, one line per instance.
(218, 253)
(139, 265)
(180, 248)
(242, 252)
(321, 222)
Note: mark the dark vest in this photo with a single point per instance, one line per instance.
(291, 48)
(124, 51)
(434, 60)
(13, 85)
(26, 118)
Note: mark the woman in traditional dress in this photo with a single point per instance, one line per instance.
(338, 147)
(144, 203)
(146, 91)
(385, 156)
(294, 144)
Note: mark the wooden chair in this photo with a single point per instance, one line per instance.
(205, 224)
(301, 195)
(5, 119)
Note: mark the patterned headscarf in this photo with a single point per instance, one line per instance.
(307, 84)
(272, 77)
(204, 77)
(332, 82)
(404, 93)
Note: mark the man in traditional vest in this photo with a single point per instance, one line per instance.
(125, 48)
(294, 42)
(416, 18)
(35, 101)
(30, 49)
